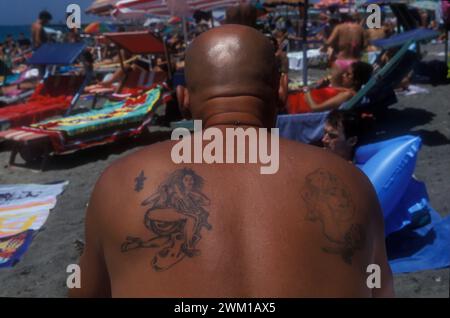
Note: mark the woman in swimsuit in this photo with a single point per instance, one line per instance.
(331, 97)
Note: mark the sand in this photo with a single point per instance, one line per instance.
(42, 270)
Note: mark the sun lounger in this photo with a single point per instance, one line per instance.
(56, 95)
(117, 120)
(401, 38)
(377, 93)
(138, 79)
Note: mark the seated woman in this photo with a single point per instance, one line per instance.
(139, 74)
(331, 96)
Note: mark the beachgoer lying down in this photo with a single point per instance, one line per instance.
(140, 70)
(330, 97)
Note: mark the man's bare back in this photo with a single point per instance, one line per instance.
(348, 41)
(159, 229)
(306, 231)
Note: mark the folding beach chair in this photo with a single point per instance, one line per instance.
(377, 93)
(406, 23)
(113, 122)
(399, 39)
(138, 80)
(55, 95)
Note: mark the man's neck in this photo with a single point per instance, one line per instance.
(235, 112)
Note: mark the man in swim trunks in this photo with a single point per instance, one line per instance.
(38, 34)
(225, 230)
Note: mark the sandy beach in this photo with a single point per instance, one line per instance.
(42, 270)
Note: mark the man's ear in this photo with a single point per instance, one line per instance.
(283, 90)
(183, 102)
(352, 141)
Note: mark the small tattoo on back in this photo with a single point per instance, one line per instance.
(139, 182)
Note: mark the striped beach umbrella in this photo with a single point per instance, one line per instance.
(102, 7)
(169, 7)
(97, 27)
(333, 3)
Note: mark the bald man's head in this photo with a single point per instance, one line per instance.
(232, 60)
(232, 74)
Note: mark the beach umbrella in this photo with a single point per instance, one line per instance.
(170, 7)
(102, 7)
(181, 8)
(332, 3)
(97, 27)
(151, 7)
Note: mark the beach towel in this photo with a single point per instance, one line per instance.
(49, 99)
(12, 248)
(418, 249)
(117, 120)
(128, 111)
(24, 208)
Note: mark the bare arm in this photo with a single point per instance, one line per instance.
(379, 247)
(380, 257)
(329, 104)
(94, 274)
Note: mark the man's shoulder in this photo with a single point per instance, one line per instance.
(155, 157)
(307, 160)
(122, 181)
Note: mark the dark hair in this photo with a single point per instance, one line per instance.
(361, 73)
(45, 15)
(350, 121)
